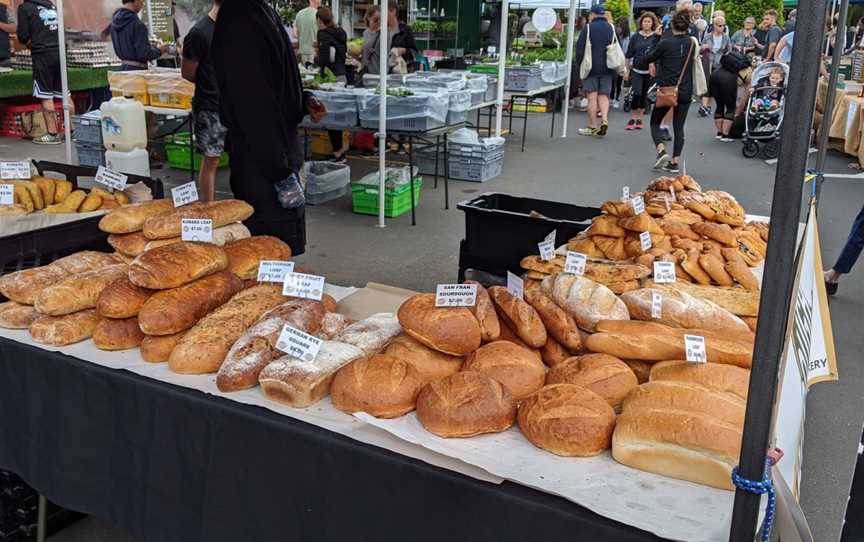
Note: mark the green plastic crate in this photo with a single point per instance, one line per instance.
(396, 202)
(177, 149)
(489, 69)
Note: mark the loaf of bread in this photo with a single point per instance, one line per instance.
(713, 265)
(721, 233)
(517, 368)
(510, 336)
(553, 352)
(605, 375)
(520, 316)
(170, 311)
(688, 397)
(122, 299)
(738, 301)
(220, 237)
(64, 330)
(714, 376)
(642, 369)
(78, 292)
(585, 246)
(465, 404)
(371, 334)
(740, 271)
(641, 327)
(128, 244)
(245, 255)
(451, 330)
(587, 301)
(660, 347)
(612, 247)
(16, 315)
(605, 225)
(380, 385)
(203, 348)
(117, 334)
(567, 420)
(751, 322)
(431, 364)
(484, 311)
(679, 229)
(24, 286)
(156, 349)
(611, 272)
(221, 212)
(641, 223)
(130, 218)
(679, 309)
(298, 383)
(175, 265)
(559, 324)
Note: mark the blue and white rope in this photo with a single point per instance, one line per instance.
(760, 488)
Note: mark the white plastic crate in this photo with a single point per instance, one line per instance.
(470, 169)
(326, 181)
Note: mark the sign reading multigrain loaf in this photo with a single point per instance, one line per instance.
(274, 270)
(455, 295)
(298, 344)
(303, 285)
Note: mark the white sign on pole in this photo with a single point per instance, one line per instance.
(185, 193)
(694, 349)
(664, 272)
(544, 19)
(274, 270)
(455, 295)
(547, 247)
(638, 205)
(850, 116)
(299, 344)
(303, 285)
(575, 263)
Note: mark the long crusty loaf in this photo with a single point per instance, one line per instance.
(521, 316)
(131, 218)
(175, 265)
(559, 324)
(17, 316)
(660, 347)
(117, 334)
(587, 301)
(170, 311)
(220, 212)
(738, 301)
(122, 299)
(24, 286)
(64, 330)
(78, 292)
(221, 236)
(717, 377)
(680, 309)
(245, 255)
(128, 244)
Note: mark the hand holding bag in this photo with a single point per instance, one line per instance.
(668, 96)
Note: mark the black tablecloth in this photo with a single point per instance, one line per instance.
(172, 464)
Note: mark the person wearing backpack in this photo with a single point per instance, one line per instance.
(723, 85)
(596, 76)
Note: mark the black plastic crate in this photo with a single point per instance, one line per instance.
(501, 229)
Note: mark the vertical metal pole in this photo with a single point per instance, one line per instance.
(779, 269)
(64, 82)
(384, 58)
(42, 519)
(571, 31)
(502, 64)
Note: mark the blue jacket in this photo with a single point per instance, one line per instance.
(602, 35)
(130, 37)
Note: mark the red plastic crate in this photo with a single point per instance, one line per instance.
(10, 118)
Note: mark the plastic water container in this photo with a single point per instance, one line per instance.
(136, 161)
(123, 125)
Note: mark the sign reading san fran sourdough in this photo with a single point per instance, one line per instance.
(455, 295)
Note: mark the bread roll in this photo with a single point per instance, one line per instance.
(64, 330)
(156, 349)
(721, 233)
(612, 247)
(130, 218)
(606, 273)
(245, 255)
(170, 311)
(371, 334)
(221, 212)
(586, 247)
(560, 325)
(117, 334)
(333, 324)
(451, 330)
(382, 386)
(617, 208)
(679, 229)
(742, 274)
(605, 375)
(641, 223)
(465, 404)
(24, 286)
(122, 299)
(484, 311)
(128, 244)
(659, 347)
(175, 265)
(567, 420)
(78, 292)
(521, 372)
(587, 301)
(679, 309)
(606, 225)
(17, 316)
(431, 364)
(716, 377)
(713, 265)
(553, 352)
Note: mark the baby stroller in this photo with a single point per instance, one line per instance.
(763, 118)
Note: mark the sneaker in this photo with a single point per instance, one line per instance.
(583, 103)
(662, 160)
(671, 167)
(831, 287)
(631, 125)
(337, 159)
(603, 129)
(638, 124)
(725, 139)
(588, 131)
(664, 134)
(719, 135)
(48, 139)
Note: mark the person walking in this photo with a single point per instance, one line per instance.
(332, 48)
(595, 74)
(744, 40)
(848, 256)
(677, 68)
(622, 32)
(723, 86)
(640, 72)
(714, 45)
(306, 27)
(131, 39)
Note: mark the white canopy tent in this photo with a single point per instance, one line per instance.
(64, 80)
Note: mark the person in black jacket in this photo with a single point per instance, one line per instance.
(640, 74)
(6, 28)
(332, 47)
(402, 43)
(37, 30)
(262, 102)
(130, 37)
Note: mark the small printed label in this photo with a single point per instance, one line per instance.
(515, 285)
(110, 178)
(668, 203)
(15, 170)
(672, 191)
(7, 194)
(645, 241)
(664, 272)
(303, 285)
(274, 270)
(455, 295)
(184, 194)
(694, 348)
(656, 305)
(625, 193)
(638, 205)
(299, 344)
(196, 229)
(575, 263)
(547, 247)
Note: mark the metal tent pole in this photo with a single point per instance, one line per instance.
(64, 82)
(779, 263)
(384, 60)
(571, 31)
(502, 64)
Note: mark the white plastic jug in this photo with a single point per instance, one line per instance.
(123, 125)
(136, 161)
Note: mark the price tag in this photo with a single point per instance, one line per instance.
(694, 348)
(299, 344)
(625, 193)
(547, 247)
(185, 193)
(638, 205)
(196, 229)
(274, 270)
(455, 295)
(683, 167)
(7, 194)
(15, 170)
(111, 178)
(303, 285)
(668, 204)
(575, 263)
(656, 305)
(672, 191)
(664, 272)
(645, 241)
(515, 285)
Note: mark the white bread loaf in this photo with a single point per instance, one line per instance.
(679, 309)
(587, 301)
(371, 334)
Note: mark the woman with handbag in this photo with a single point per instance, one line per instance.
(679, 77)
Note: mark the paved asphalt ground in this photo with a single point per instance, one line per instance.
(349, 249)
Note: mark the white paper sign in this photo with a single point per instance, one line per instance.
(298, 344)
(694, 348)
(196, 229)
(7, 194)
(672, 191)
(274, 270)
(515, 285)
(638, 205)
(575, 263)
(303, 285)
(544, 19)
(625, 193)
(645, 241)
(656, 305)
(111, 178)
(668, 204)
(664, 272)
(15, 170)
(185, 193)
(455, 295)
(547, 247)
(850, 117)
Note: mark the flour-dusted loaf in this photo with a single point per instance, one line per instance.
(738, 301)
(517, 368)
(465, 404)
(484, 311)
(221, 212)
(680, 309)
(203, 348)
(332, 324)
(128, 244)
(77, 292)
(605, 375)
(520, 316)
(156, 349)
(451, 330)
(130, 218)
(170, 311)
(220, 237)
(175, 265)
(245, 255)
(24, 286)
(717, 377)
(299, 383)
(587, 301)
(64, 330)
(382, 386)
(431, 364)
(16, 315)
(559, 324)
(117, 334)
(122, 299)
(371, 334)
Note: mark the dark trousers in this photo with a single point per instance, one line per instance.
(679, 117)
(853, 246)
(639, 85)
(335, 139)
(617, 83)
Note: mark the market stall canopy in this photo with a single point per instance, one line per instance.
(554, 4)
(646, 4)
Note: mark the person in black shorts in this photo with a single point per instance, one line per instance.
(37, 30)
(197, 67)
(723, 87)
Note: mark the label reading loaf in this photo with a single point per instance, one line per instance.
(303, 285)
(15, 170)
(575, 263)
(515, 285)
(184, 194)
(547, 247)
(656, 305)
(638, 205)
(625, 193)
(664, 272)
(298, 344)
(7, 194)
(110, 178)
(645, 241)
(196, 229)
(274, 270)
(694, 348)
(455, 295)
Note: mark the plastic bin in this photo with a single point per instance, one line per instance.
(397, 201)
(177, 149)
(318, 143)
(455, 117)
(341, 110)
(425, 161)
(486, 152)
(523, 78)
(131, 84)
(489, 69)
(90, 155)
(422, 111)
(26, 120)
(170, 90)
(469, 169)
(88, 128)
(325, 181)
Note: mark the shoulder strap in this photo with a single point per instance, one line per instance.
(686, 63)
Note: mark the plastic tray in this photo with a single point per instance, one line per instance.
(415, 124)
(90, 155)
(88, 128)
(478, 171)
(486, 153)
(397, 202)
(177, 149)
(341, 110)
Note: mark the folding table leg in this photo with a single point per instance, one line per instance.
(510, 114)
(525, 122)
(41, 522)
(437, 148)
(552, 130)
(446, 174)
(411, 175)
(305, 145)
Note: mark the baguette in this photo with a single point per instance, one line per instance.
(64, 330)
(117, 334)
(245, 255)
(175, 265)
(521, 316)
(171, 311)
(659, 347)
(156, 349)
(559, 325)
(679, 309)
(220, 212)
(17, 316)
(122, 299)
(131, 218)
(78, 292)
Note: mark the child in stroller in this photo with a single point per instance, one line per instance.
(768, 93)
(763, 117)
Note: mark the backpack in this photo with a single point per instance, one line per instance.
(735, 61)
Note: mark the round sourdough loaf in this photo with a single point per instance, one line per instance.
(567, 420)
(382, 386)
(519, 369)
(452, 330)
(605, 375)
(465, 404)
(431, 364)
